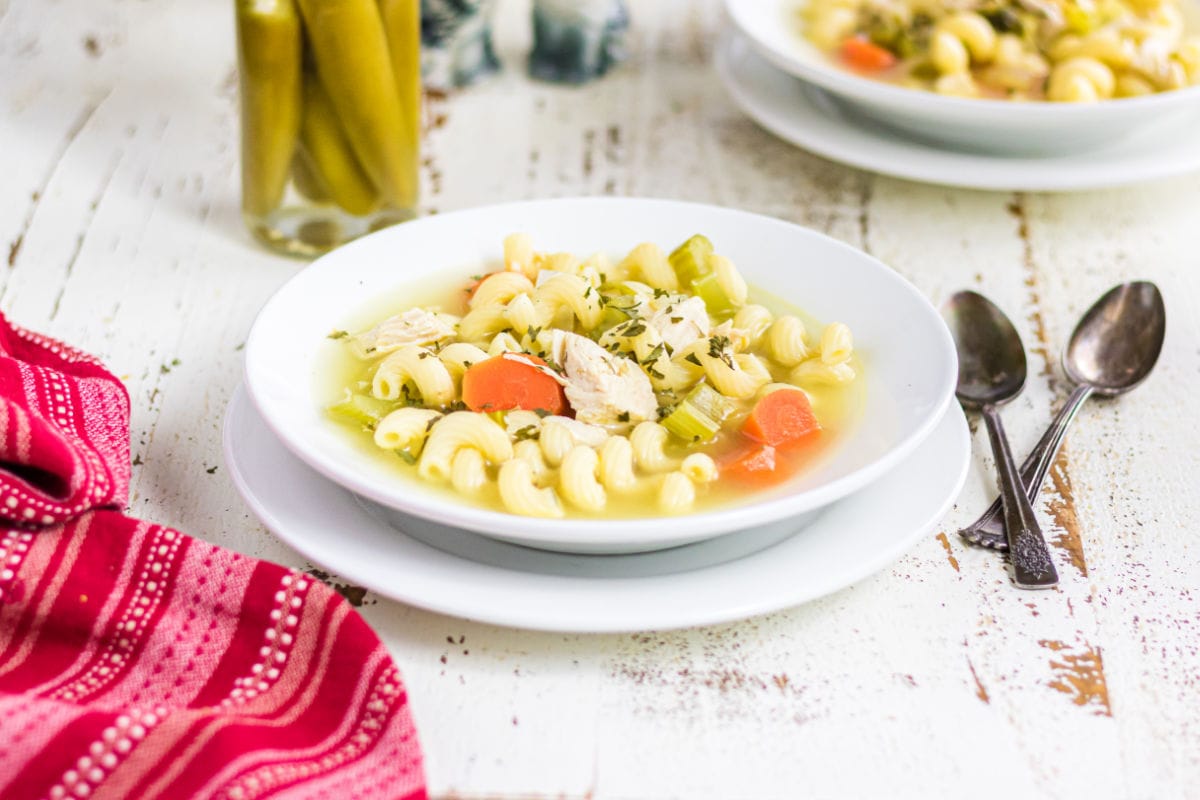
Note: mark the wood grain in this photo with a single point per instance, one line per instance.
(119, 223)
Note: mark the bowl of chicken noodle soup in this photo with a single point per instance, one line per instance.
(600, 375)
(1002, 76)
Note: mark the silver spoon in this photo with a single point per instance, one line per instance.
(1114, 347)
(991, 371)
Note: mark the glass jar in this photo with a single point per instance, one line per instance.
(331, 118)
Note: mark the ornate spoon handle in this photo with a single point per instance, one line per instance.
(1032, 567)
(988, 530)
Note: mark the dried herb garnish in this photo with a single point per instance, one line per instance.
(338, 335)
(407, 457)
(623, 416)
(654, 354)
(718, 347)
(633, 328)
(692, 357)
(529, 432)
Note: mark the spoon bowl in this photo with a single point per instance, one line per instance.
(1113, 349)
(991, 358)
(1117, 342)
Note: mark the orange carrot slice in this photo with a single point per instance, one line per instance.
(511, 381)
(780, 418)
(751, 463)
(866, 56)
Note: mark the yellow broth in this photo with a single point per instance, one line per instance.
(837, 407)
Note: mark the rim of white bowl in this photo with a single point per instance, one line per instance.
(617, 531)
(860, 87)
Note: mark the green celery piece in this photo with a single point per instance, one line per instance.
(690, 259)
(708, 289)
(619, 308)
(709, 402)
(691, 424)
(361, 409)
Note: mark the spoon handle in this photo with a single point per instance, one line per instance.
(988, 530)
(1032, 567)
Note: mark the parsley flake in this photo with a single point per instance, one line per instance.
(633, 328)
(718, 347)
(654, 355)
(529, 432)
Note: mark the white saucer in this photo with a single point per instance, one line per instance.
(807, 117)
(467, 575)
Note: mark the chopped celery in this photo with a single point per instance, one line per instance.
(361, 409)
(699, 416)
(618, 308)
(690, 259)
(689, 424)
(710, 402)
(708, 289)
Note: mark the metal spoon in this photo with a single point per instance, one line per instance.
(1114, 347)
(991, 371)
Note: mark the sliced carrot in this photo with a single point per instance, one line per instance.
(781, 418)
(752, 458)
(506, 382)
(755, 464)
(865, 55)
(473, 286)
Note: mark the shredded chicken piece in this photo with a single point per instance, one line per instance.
(415, 326)
(602, 388)
(681, 323)
(582, 432)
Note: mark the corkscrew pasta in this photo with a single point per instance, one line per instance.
(1068, 51)
(558, 385)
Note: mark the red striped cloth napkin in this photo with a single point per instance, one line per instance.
(137, 662)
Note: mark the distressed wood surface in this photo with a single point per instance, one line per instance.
(119, 226)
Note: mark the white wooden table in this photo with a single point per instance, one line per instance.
(119, 223)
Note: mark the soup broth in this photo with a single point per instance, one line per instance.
(347, 371)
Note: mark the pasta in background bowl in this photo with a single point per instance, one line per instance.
(903, 382)
(971, 65)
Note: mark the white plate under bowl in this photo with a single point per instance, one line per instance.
(731, 577)
(805, 116)
(909, 374)
(984, 126)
